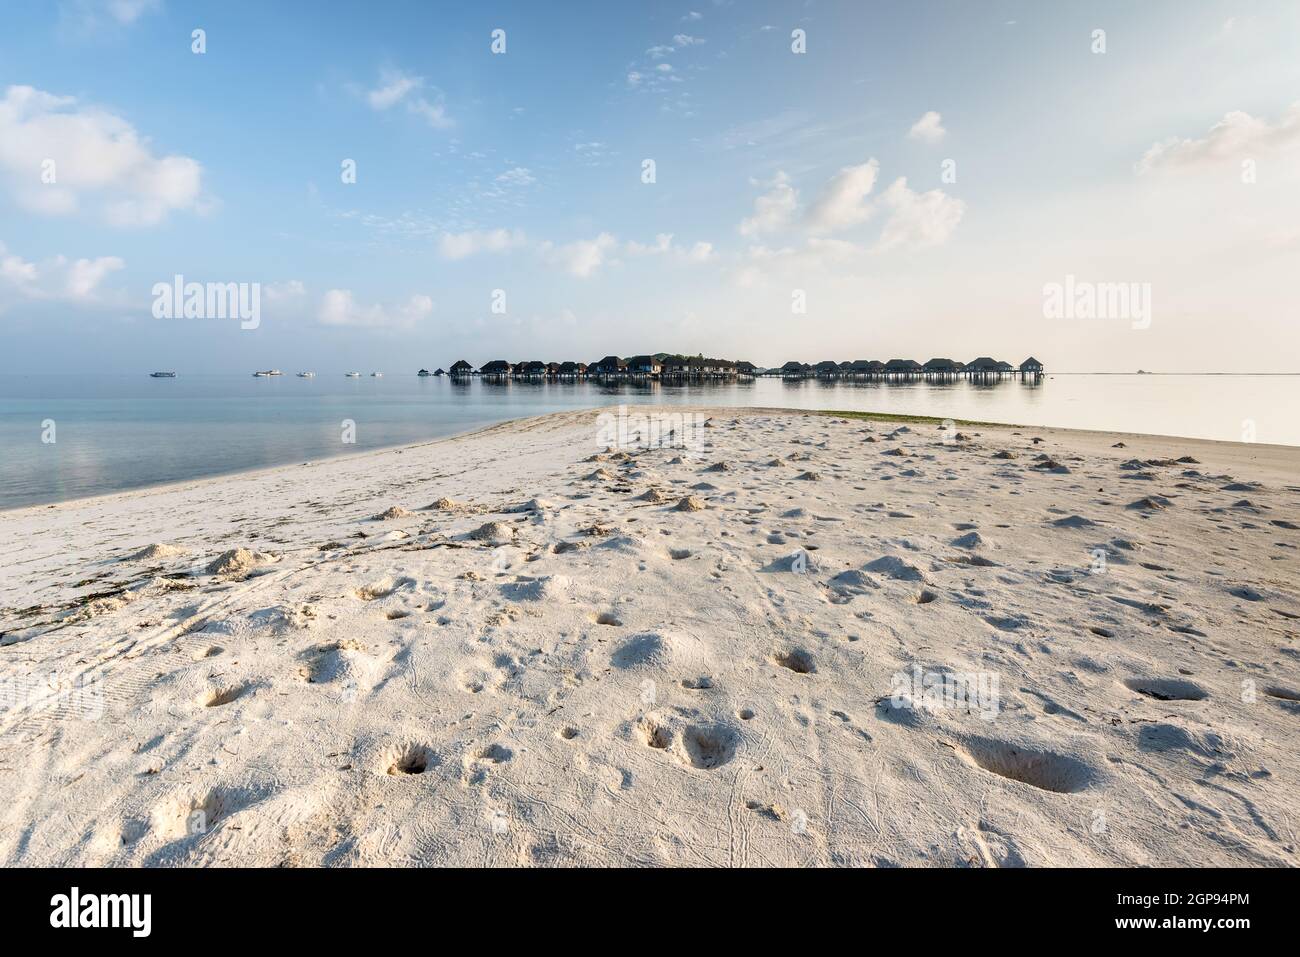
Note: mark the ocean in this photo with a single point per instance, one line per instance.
(66, 437)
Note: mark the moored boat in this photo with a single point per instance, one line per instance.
(267, 372)
(306, 375)
(353, 375)
(162, 375)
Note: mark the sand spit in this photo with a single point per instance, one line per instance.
(1010, 648)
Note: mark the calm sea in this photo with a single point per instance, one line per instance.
(118, 432)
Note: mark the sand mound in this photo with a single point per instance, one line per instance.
(493, 532)
(155, 552)
(444, 504)
(655, 497)
(395, 511)
(690, 504)
(891, 566)
(240, 561)
(656, 651)
(536, 589)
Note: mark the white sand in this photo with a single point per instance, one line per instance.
(597, 677)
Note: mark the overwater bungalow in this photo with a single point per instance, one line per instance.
(982, 368)
(903, 368)
(552, 370)
(644, 366)
(532, 369)
(572, 370)
(1031, 366)
(940, 368)
(461, 369)
(827, 368)
(792, 369)
(746, 368)
(608, 367)
(497, 368)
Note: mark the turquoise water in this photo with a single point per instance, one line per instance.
(117, 432)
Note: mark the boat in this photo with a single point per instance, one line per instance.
(353, 375)
(306, 375)
(376, 375)
(162, 375)
(424, 372)
(267, 372)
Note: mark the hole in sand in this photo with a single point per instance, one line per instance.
(1286, 694)
(1167, 689)
(655, 736)
(797, 660)
(219, 696)
(745, 714)
(1041, 769)
(1103, 632)
(607, 618)
(411, 759)
(394, 615)
(677, 554)
(568, 734)
(709, 746)
(702, 683)
(925, 597)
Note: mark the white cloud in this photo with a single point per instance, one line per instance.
(700, 252)
(94, 156)
(89, 15)
(519, 176)
(928, 129)
(58, 278)
(398, 87)
(284, 291)
(774, 209)
(918, 220)
(581, 258)
(843, 201)
(394, 90)
(1238, 136)
(686, 40)
(693, 15)
(340, 308)
(461, 245)
(633, 78)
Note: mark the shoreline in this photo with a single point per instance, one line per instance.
(883, 417)
(806, 640)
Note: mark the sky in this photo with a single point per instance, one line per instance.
(405, 186)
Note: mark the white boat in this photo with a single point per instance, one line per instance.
(162, 375)
(267, 372)
(353, 375)
(306, 375)
(376, 375)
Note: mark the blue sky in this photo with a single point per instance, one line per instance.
(778, 176)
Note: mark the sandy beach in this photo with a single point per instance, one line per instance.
(808, 640)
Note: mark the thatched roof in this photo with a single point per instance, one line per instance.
(496, 367)
(638, 362)
(610, 364)
(982, 364)
(861, 365)
(792, 366)
(743, 366)
(459, 366)
(941, 365)
(902, 365)
(828, 365)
